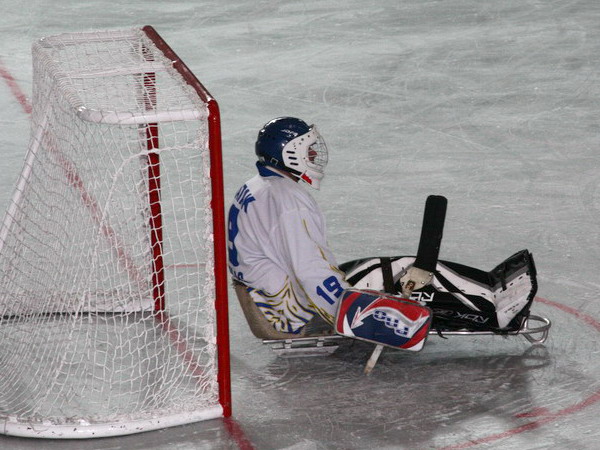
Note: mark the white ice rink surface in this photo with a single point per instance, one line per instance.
(494, 104)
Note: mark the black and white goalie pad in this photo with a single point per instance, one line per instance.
(461, 297)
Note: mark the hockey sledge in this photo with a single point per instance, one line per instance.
(534, 329)
(464, 301)
(455, 300)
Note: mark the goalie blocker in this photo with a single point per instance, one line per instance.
(383, 319)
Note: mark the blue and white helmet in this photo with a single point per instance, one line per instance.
(290, 144)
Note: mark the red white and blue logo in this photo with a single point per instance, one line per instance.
(383, 319)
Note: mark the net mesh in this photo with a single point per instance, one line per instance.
(81, 249)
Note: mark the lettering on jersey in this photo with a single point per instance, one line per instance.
(232, 231)
(244, 197)
(332, 286)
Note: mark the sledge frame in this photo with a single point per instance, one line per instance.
(535, 329)
(306, 346)
(527, 330)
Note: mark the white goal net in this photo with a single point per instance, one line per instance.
(113, 299)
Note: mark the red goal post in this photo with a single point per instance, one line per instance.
(218, 202)
(113, 281)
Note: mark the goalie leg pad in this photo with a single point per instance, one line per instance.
(460, 296)
(383, 319)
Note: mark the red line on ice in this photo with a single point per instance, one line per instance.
(548, 416)
(14, 88)
(589, 320)
(72, 176)
(76, 182)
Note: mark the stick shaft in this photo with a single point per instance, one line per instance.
(430, 241)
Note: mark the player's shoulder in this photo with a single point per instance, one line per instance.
(293, 192)
(281, 192)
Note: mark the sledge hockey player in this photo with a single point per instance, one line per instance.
(289, 284)
(282, 267)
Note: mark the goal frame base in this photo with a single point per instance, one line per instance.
(86, 430)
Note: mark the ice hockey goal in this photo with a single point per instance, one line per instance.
(113, 292)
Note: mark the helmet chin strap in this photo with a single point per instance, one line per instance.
(312, 178)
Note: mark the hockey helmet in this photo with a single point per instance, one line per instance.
(289, 144)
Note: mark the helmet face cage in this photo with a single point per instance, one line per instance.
(306, 152)
(317, 154)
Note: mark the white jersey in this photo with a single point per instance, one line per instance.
(278, 249)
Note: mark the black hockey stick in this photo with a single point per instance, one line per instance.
(432, 230)
(430, 242)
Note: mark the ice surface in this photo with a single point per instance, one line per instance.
(492, 104)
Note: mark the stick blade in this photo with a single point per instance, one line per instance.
(432, 230)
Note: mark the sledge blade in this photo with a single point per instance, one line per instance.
(306, 346)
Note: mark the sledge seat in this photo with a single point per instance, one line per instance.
(258, 323)
(262, 329)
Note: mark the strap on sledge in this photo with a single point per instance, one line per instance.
(388, 276)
